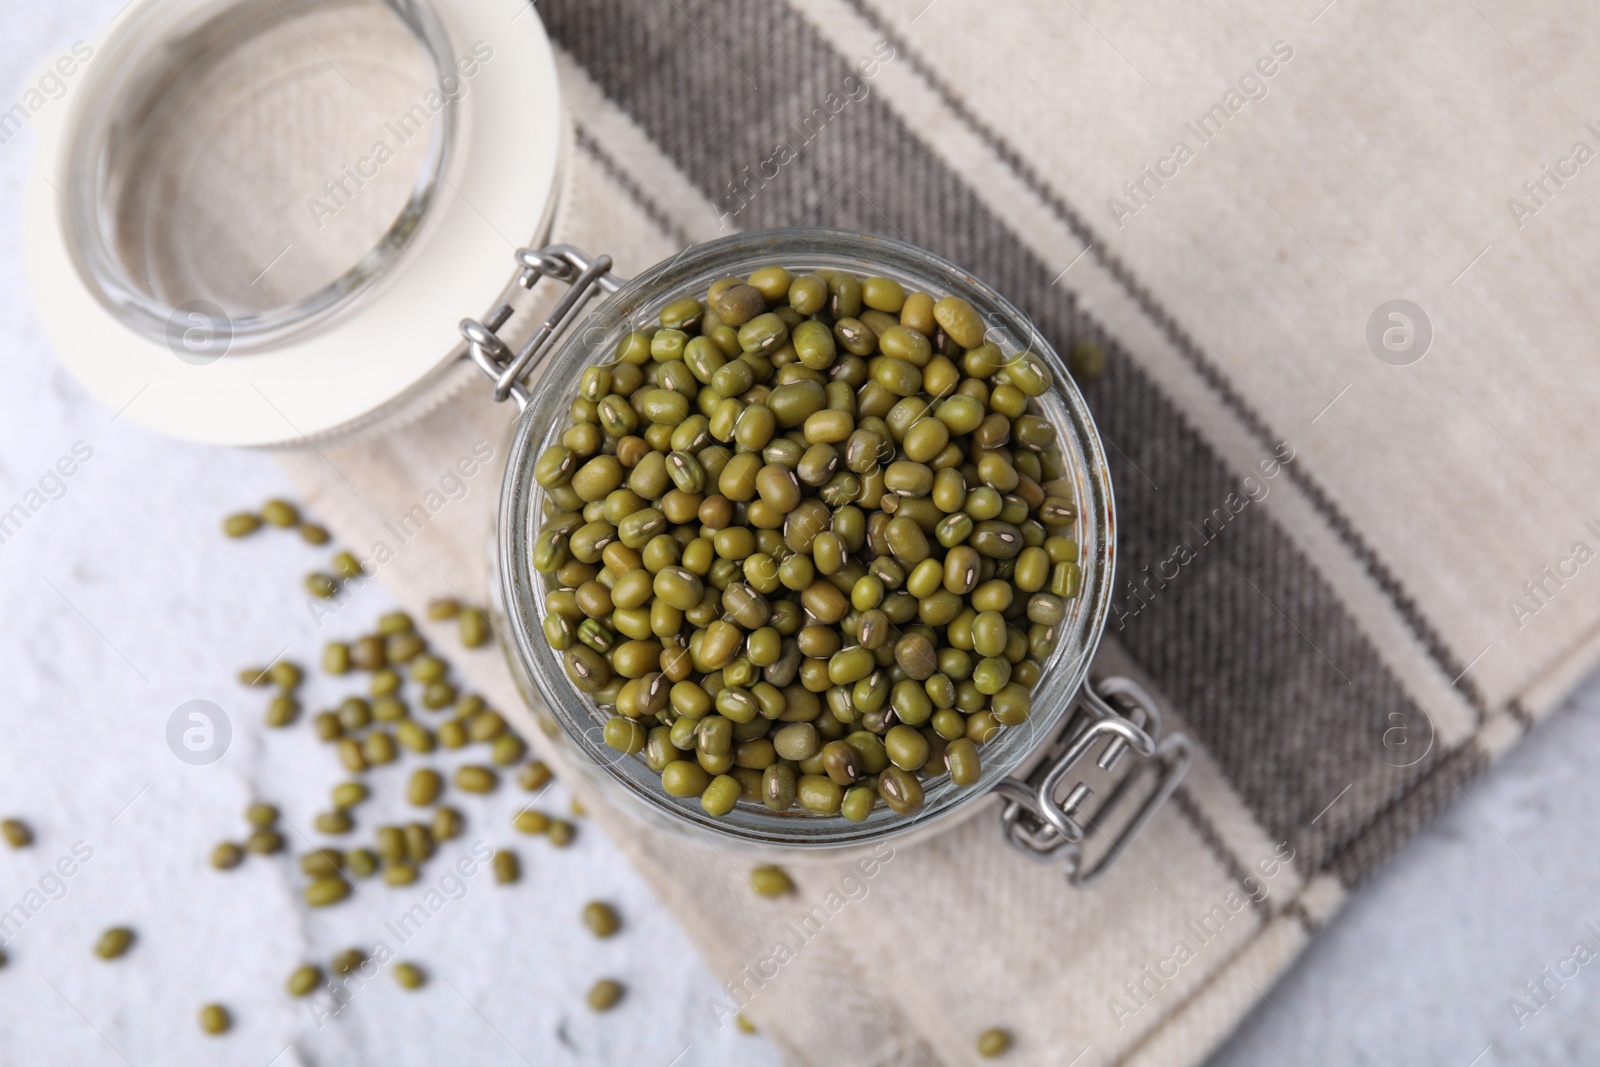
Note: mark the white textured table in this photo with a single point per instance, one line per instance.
(119, 601)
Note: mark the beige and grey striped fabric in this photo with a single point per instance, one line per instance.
(1354, 581)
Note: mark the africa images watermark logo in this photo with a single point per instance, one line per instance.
(199, 732)
(1399, 332)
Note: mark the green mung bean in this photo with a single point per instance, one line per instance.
(347, 960)
(242, 524)
(215, 1020)
(114, 943)
(306, 979)
(336, 657)
(280, 513)
(475, 778)
(334, 822)
(447, 823)
(601, 919)
(604, 995)
(282, 711)
(770, 881)
(993, 1042)
(260, 814)
(326, 891)
(529, 821)
(323, 863)
(17, 833)
(425, 786)
(534, 776)
(378, 748)
(264, 842)
(400, 874)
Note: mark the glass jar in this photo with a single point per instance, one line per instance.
(175, 296)
(1046, 812)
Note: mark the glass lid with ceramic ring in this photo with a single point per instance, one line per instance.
(253, 222)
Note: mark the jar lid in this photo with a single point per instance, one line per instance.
(254, 222)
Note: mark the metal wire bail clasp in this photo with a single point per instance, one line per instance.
(1111, 715)
(586, 276)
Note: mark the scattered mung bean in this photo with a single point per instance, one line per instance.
(534, 775)
(474, 627)
(280, 513)
(347, 960)
(993, 1042)
(529, 821)
(321, 585)
(447, 823)
(226, 856)
(443, 608)
(475, 778)
(114, 943)
(242, 524)
(601, 919)
(264, 842)
(305, 980)
(325, 891)
(334, 822)
(215, 1020)
(425, 786)
(771, 881)
(604, 994)
(260, 814)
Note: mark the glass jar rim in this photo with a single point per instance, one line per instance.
(519, 587)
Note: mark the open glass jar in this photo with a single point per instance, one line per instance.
(1047, 812)
(221, 283)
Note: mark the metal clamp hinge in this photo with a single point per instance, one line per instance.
(586, 277)
(1112, 716)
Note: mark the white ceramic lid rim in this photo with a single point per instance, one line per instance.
(496, 197)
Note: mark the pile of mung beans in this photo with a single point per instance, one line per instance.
(809, 540)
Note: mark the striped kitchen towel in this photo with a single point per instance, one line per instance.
(1334, 260)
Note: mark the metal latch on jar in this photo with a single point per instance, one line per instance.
(1119, 712)
(586, 275)
(1114, 710)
